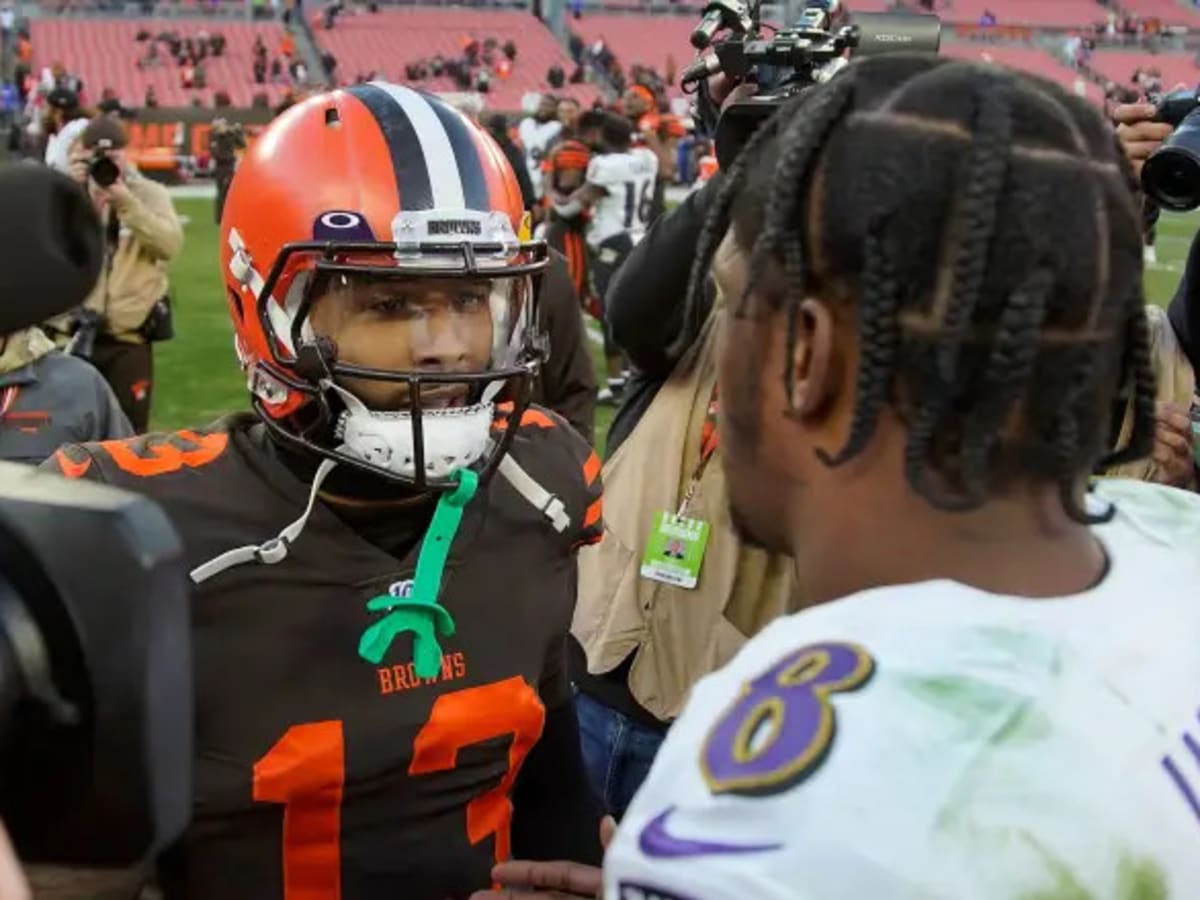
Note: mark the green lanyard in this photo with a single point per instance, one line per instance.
(421, 613)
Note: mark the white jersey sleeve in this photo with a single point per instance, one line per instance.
(628, 201)
(536, 139)
(933, 741)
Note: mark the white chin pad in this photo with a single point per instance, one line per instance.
(452, 438)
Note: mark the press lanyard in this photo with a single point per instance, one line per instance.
(7, 398)
(708, 446)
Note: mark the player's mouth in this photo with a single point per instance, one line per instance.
(447, 397)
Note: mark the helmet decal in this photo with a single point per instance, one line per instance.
(342, 225)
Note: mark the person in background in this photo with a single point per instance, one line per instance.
(128, 311)
(537, 133)
(649, 637)
(63, 122)
(617, 194)
(48, 398)
(564, 170)
(497, 126)
(1174, 336)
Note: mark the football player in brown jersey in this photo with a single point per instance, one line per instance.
(382, 705)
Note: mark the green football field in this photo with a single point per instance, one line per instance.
(198, 379)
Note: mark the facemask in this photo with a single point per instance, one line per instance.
(453, 438)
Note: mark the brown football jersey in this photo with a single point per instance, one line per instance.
(319, 775)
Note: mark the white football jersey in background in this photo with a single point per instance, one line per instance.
(628, 178)
(536, 138)
(932, 741)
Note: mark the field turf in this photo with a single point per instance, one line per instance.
(197, 376)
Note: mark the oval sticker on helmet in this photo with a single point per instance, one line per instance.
(342, 225)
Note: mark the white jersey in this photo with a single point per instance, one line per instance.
(537, 137)
(628, 180)
(933, 741)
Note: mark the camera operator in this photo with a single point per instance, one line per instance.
(95, 676)
(48, 398)
(648, 642)
(224, 142)
(129, 308)
(1174, 336)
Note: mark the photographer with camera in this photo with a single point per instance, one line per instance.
(1155, 138)
(129, 309)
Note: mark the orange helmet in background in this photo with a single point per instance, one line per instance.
(376, 181)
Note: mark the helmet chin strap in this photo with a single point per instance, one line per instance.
(452, 439)
(420, 614)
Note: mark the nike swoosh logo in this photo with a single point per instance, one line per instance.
(70, 468)
(656, 841)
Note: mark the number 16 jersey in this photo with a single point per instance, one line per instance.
(628, 181)
(935, 742)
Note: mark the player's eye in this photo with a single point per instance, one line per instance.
(469, 303)
(394, 305)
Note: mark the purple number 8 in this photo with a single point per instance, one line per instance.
(782, 725)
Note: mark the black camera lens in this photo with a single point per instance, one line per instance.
(1172, 175)
(103, 170)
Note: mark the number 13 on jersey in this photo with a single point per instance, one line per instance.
(306, 772)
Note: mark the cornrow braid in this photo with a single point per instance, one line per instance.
(801, 140)
(981, 223)
(1005, 377)
(984, 176)
(880, 339)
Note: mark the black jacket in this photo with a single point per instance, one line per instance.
(645, 305)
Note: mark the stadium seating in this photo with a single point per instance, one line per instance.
(1027, 59)
(384, 42)
(104, 54)
(1043, 13)
(1118, 66)
(1170, 12)
(641, 40)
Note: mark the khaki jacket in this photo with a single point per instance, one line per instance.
(1176, 384)
(677, 636)
(135, 277)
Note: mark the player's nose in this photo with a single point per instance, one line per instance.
(440, 344)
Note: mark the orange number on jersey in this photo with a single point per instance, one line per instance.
(305, 771)
(166, 457)
(479, 714)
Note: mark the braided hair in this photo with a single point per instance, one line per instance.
(981, 224)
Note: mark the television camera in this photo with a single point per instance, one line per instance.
(812, 50)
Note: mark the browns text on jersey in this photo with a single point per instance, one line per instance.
(317, 773)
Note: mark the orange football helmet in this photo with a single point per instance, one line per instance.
(378, 181)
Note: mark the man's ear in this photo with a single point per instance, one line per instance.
(810, 359)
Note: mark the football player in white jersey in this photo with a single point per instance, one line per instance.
(932, 290)
(619, 193)
(537, 133)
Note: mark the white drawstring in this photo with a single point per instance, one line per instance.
(276, 549)
(269, 552)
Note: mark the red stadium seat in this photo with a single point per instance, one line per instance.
(1026, 59)
(1118, 66)
(105, 53)
(385, 42)
(1045, 13)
